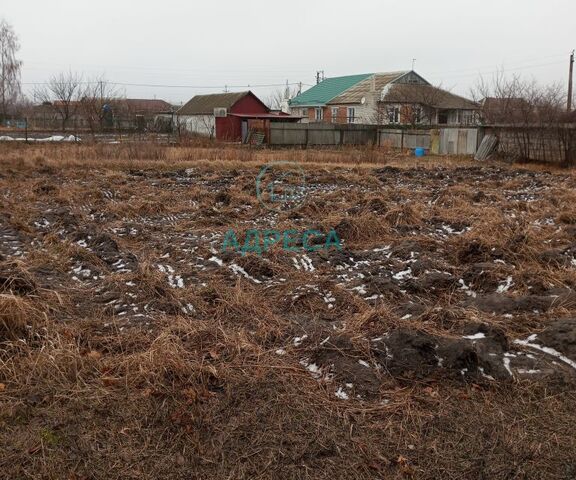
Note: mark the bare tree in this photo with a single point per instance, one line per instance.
(9, 69)
(278, 98)
(411, 104)
(530, 118)
(96, 103)
(63, 92)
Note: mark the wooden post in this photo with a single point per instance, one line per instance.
(570, 77)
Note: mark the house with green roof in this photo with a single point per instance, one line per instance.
(402, 97)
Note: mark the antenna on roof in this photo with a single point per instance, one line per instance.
(319, 76)
(413, 63)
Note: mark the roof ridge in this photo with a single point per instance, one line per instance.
(244, 92)
(328, 89)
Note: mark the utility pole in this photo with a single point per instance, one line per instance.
(570, 77)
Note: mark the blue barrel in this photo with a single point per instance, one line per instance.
(419, 152)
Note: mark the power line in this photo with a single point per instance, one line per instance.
(504, 70)
(512, 64)
(157, 85)
(446, 74)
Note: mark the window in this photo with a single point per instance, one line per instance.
(334, 114)
(318, 114)
(393, 114)
(443, 117)
(351, 114)
(417, 114)
(467, 117)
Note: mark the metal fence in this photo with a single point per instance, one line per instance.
(447, 141)
(317, 134)
(544, 143)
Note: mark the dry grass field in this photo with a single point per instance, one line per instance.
(439, 341)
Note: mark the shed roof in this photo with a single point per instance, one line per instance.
(142, 105)
(205, 104)
(326, 90)
(373, 83)
(427, 95)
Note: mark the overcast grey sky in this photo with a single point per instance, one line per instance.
(256, 42)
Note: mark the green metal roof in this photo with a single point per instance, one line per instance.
(326, 90)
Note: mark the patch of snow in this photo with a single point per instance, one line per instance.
(314, 369)
(550, 351)
(361, 289)
(403, 275)
(307, 263)
(216, 260)
(298, 340)
(476, 336)
(506, 361)
(237, 269)
(485, 375)
(341, 394)
(504, 287)
(176, 281)
(466, 288)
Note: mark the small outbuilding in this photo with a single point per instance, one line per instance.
(228, 117)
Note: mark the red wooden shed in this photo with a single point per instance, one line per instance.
(232, 113)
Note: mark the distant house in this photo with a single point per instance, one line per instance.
(227, 116)
(401, 98)
(141, 114)
(122, 113)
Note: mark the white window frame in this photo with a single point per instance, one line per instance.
(468, 117)
(351, 114)
(318, 114)
(334, 114)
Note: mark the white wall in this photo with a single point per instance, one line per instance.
(202, 124)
